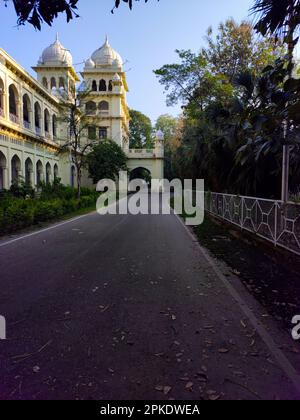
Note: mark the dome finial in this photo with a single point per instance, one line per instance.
(106, 40)
(57, 37)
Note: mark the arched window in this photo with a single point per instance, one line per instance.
(53, 82)
(62, 83)
(13, 103)
(110, 86)
(94, 86)
(90, 108)
(104, 106)
(102, 86)
(2, 171)
(26, 111)
(48, 173)
(56, 172)
(45, 82)
(54, 125)
(39, 172)
(15, 169)
(47, 121)
(28, 171)
(1, 98)
(37, 117)
(103, 133)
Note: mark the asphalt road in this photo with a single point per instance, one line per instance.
(125, 307)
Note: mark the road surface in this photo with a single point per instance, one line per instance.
(127, 307)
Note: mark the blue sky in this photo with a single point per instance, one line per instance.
(146, 37)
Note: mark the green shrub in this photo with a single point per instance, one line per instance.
(18, 213)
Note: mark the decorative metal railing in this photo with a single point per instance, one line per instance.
(274, 221)
(1, 112)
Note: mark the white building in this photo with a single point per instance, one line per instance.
(31, 133)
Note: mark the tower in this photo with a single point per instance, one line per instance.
(55, 70)
(106, 105)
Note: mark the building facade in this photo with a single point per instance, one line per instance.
(31, 132)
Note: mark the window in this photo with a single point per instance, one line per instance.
(37, 115)
(102, 86)
(104, 106)
(13, 103)
(92, 133)
(62, 84)
(90, 108)
(45, 82)
(110, 86)
(94, 86)
(54, 125)
(28, 171)
(103, 133)
(26, 111)
(53, 82)
(1, 98)
(55, 172)
(47, 121)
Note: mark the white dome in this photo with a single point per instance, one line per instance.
(107, 56)
(56, 54)
(89, 64)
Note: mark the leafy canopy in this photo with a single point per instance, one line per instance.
(140, 130)
(105, 161)
(37, 12)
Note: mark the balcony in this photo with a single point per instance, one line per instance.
(38, 131)
(1, 112)
(14, 118)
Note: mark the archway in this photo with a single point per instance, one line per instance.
(54, 125)
(37, 117)
(39, 172)
(26, 111)
(28, 171)
(45, 82)
(141, 173)
(15, 169)
(102, 86)
(47, 121)
(48, 173)
(55, 171)
(1, 98)
(13, 103)
(2, 171)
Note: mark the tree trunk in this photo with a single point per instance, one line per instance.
(78, 184)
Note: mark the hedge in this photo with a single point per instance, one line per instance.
(16, 213)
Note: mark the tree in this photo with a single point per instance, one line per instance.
(105, 161)
(38, 12)
(282, 19)
(168, 125)
(140, 130)
(208, 76)
(77, 124)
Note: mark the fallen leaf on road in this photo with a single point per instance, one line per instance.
(166, 390)
(189, 386)
(36, 369)
(223, 351)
